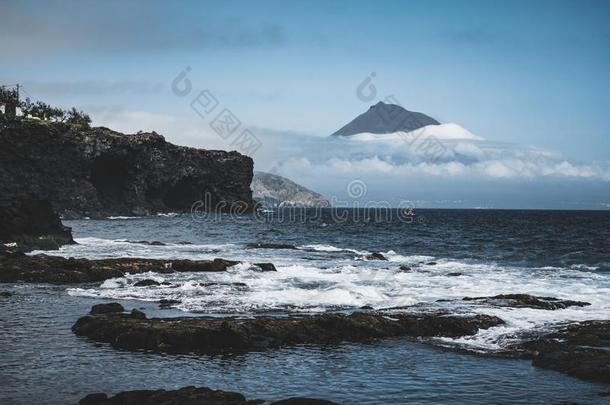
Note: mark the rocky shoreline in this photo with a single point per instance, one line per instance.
(189, 396)
(578, 349)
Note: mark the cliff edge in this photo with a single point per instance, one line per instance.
(97, 172)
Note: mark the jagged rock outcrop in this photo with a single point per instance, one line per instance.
(98, 172)
(273, 191)
(383, 118)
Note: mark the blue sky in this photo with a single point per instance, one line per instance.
(529, 73)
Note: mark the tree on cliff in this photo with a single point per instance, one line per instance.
(76, 117)
(41, 110)
(9, 98)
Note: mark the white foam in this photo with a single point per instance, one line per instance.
(331, 248)
(98, 248)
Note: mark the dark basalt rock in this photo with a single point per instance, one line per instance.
(527, 301)
(214, 335)
(145, 242)
(188, 396)
(182, 396)
(431, 263)
(98, 172)
(146, 283)
(58, 270)
(376, 256)
(265, 266)
(404, 268)
(233, 284)
(168, 303)
(589, 364)
(579, 350)
(137, 314)
(270, 246)
(29, 222)
(110, 308)
(455, 274)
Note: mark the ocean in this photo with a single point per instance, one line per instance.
(434, 259)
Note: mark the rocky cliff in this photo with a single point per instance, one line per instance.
(273, 191)
(98, 172)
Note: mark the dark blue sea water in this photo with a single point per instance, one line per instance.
(450, 253)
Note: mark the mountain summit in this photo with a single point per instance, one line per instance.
(384, 118)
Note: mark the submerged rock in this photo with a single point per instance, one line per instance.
(265, 266)
(303, 401)
(112, 307)
(375, 256)
(169, 301)
(188, 396)
(58, 270)
(182, 396)
(145, 242)
(229, 335)
(146, 283)
(527, 301)
(270, 246)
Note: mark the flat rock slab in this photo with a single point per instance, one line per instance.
(188, 396)
(229, 335)
(527, 301)
(18, 267)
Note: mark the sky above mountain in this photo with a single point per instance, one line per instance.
(518, 75)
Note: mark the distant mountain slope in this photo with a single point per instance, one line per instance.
(273, 191)
(384, 118)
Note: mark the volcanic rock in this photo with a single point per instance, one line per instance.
(146, 283)
(265, 266)
(229, 335)
(270, 246)
(98, 172)
(527, 301)
(18, 267)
